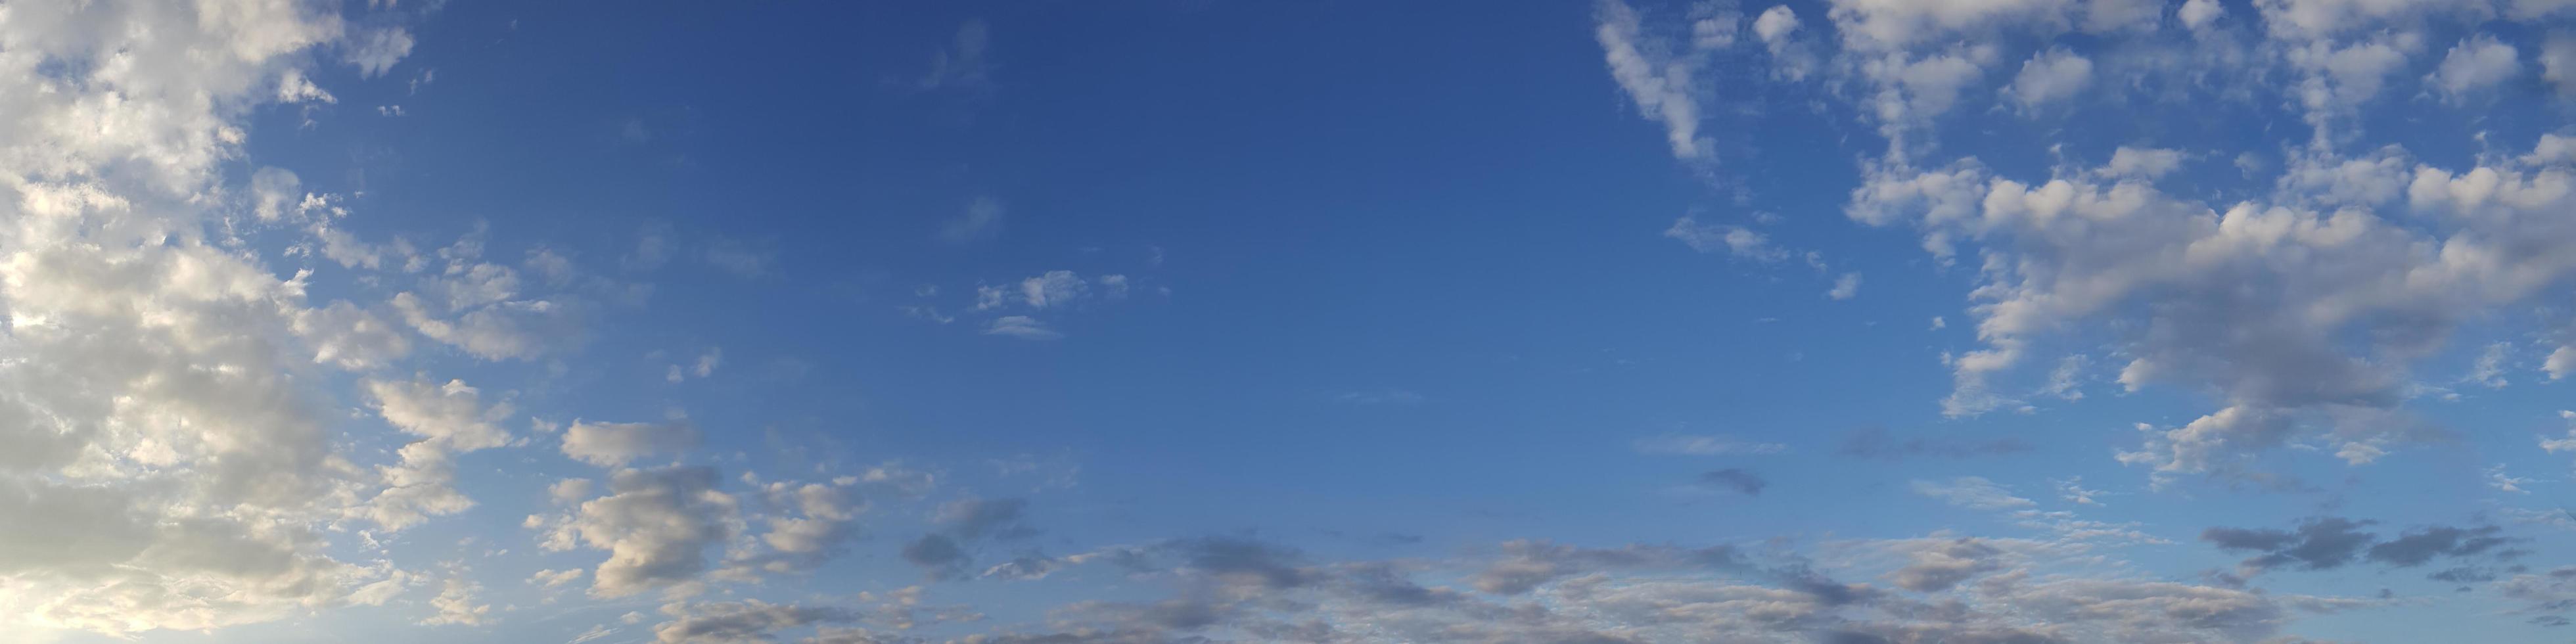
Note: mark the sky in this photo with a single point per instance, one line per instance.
(1845, 322)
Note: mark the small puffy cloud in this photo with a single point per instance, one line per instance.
(2051, 76)
(616, 444)
(1845, 287)
(655, 524)
(377, 50)
(2477, 63)
(455, 604)
(2144, 163)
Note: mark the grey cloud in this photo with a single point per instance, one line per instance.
(2317, 544)
(1544, 592)
(1735, 479)
(1877, 443)
(2330, 542)
(750, 621)
(1529, 564)
(945, 554)
(976, 518)
(2463, 575)
(937, 554)
(2418, 546)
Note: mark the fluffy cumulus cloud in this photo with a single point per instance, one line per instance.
(614, 444)
(165, 465)
(2301, 308)
(655, 524)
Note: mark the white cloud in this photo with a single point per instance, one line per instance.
(1845, 287)
(656, 525)
(377, 50)
(1055, 288)
(164, 461)
(555, 578)
(1655, 78)
(2145, 163)
(616, 444)
(1894, 24)
(1972, 492)
(2477, 63)
(1690, 445)
(2051, 76)
(1735, 241)
(2196, 14)
(2558, 62)
(450, 419)
(707, 362)
(455, 604)
(1022, 327)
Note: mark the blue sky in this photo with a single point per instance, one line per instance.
(1628, 321)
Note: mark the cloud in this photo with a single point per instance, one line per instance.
(1691, 445)
(450, 419)
(965, 522)
(2144, 163)
(936, 554)
(375, 51)
(1845, 287)
(2477, 63)
(2051, 76)
(2324, 543)
(2558, 62)
(616, 444)
(1743, 482)
(740, 258)
(1941, 566)
(455, 604)
(2416, 547)
(165, 458)
(656, 525)
(982, 220)
(748, 622)
(1974, 492)
(961, 66)
(1655, 78)
(1736, 241)
(1022, 327)
(2302, 311)
(1543, 591)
